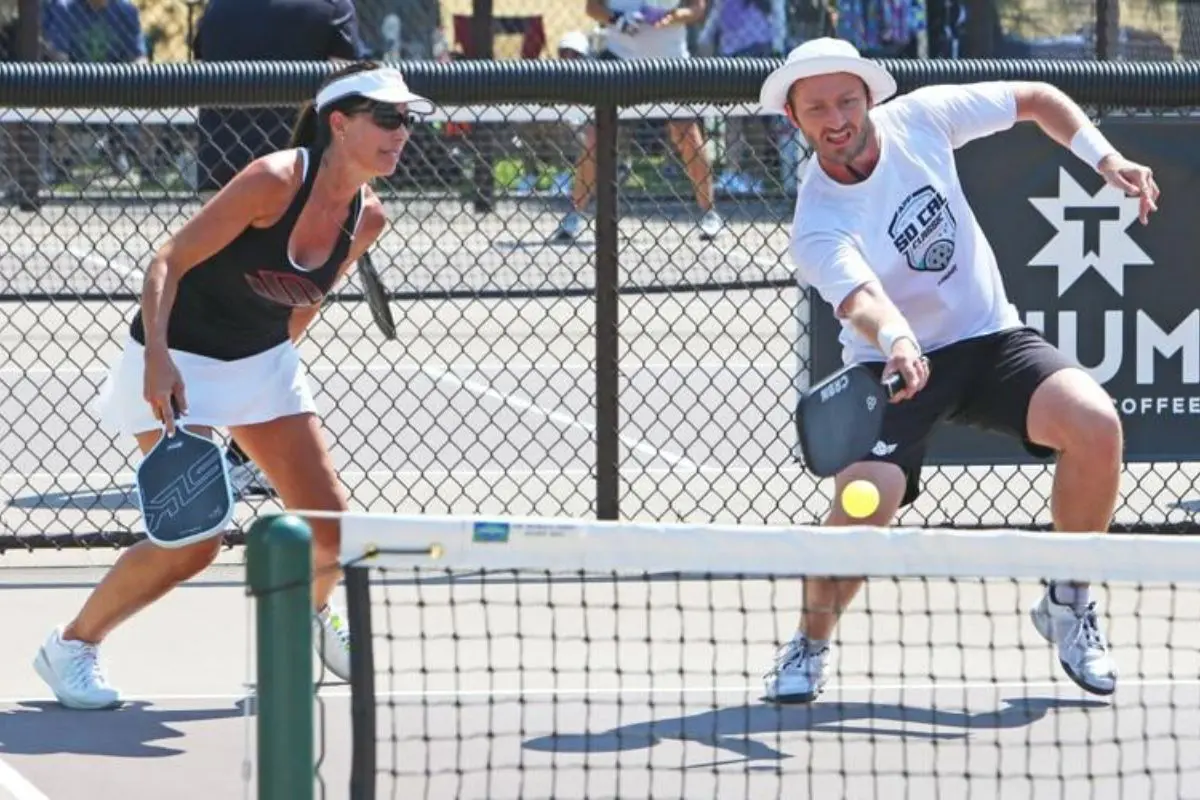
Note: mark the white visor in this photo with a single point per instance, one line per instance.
(383, 85)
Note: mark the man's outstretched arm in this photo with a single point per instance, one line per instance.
(1064, 121)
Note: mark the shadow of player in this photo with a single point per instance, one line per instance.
(116, 499)
(730, 729)
(44, 728)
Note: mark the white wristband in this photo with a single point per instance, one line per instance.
(1090, 146)
(890, 334)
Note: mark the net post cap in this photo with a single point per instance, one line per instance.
(275, 544)
(280, 528)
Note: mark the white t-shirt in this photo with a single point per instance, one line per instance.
(668, 42)
(908, 225)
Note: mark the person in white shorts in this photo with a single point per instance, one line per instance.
(646, 29)
(225, 300)
(883, 232)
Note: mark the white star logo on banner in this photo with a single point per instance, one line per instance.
(1091, 234)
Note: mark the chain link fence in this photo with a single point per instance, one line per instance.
(523, 361)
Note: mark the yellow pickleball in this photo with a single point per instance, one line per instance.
(860, 499)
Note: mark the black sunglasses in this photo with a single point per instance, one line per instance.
(389, 118)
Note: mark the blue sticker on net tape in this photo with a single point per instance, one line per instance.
(491, 532)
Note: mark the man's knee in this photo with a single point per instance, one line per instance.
(1071, 413)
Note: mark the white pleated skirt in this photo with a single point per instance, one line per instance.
(220, 394)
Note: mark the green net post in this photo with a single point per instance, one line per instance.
(279, 570)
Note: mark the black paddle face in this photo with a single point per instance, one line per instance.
(183, 490)
(839, 419)
(377, 297)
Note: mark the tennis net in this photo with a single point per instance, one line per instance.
(503, 658)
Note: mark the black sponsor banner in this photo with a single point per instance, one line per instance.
(1119, 297)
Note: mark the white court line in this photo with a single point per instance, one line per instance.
(99, 262)
(99, 370)
(856, 688)
(17, 786)
(90, 479)
(557, 417)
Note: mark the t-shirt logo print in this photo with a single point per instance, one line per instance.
(923, 230)
(285, 289)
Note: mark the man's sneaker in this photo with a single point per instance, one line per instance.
(569, 229)
(1082, 649)
(246, 479)
(331, 637)
(711, 224)
(72, 671)
(736, 183)
(799, 674)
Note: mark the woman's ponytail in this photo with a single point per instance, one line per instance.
(304, 133)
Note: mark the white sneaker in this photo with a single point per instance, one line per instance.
(72, 671)
(799, 674)
(246, 479)
(1082, 649)
(569, 229)
(331, 637)
(734, 183)
(711, 224)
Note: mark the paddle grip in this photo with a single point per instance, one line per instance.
(894, 383)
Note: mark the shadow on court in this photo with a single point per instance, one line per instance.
(730, 729)
(133, 731)
(114, 500)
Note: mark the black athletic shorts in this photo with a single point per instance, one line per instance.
(985, 382)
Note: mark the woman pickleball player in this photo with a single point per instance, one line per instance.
(224, 302)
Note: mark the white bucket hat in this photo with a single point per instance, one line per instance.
(823, 56)
(384, 85)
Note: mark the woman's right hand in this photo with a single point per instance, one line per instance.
(163, 384)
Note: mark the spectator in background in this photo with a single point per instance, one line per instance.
(544, 142)
(231, 138)
(647, 29)
(810, 19)
(739, 29)
(574, 44)
(94, 31)
(105, 32)
(883, 28)
(264, 30)
(22, 148)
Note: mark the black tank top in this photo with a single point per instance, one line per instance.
(237, 302)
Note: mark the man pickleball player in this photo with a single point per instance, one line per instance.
(884, 233)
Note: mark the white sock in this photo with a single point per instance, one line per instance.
(1064, 593)
(812, 645)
